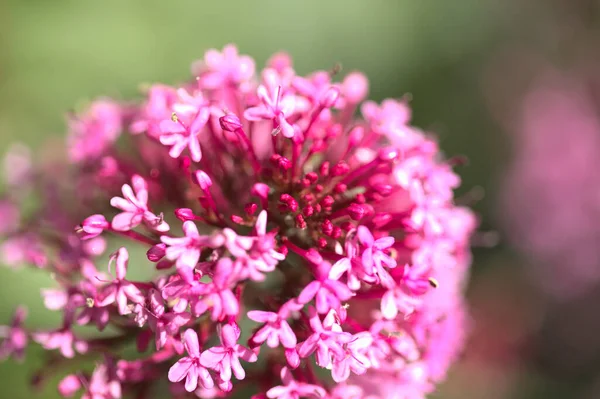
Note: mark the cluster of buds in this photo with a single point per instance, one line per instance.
(295, 250)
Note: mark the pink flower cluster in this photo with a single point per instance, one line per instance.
(297, 250)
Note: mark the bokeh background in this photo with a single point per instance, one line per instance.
(470, 67)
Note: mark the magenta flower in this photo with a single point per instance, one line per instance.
(134, 207)
(104, 384)
(190, 367)
(120, 290)
(63, 339)
(275, 328)
(165, 324)
(301, 232)
(374, 258)
(293, 389)
(14, 336)
(184, 251)
(354, 359)
(276, 107)
(226, 358)
(222, 69)
(329, 294)
(186, 123)
(157, 108)
(217, 294)
(91, 134)
(327, 339)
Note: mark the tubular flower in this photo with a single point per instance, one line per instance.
(337, 238)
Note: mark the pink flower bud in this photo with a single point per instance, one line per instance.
(203, 180)
(184, 214)
(156, 252)
(93, 226)
(230, 123)
(355, 87)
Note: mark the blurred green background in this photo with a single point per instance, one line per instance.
(54, 54)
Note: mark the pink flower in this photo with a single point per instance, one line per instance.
(134, 207)
(120, 290)
(185, 251)
(301, 232)
(276, 107)
(165, 324)
(217, 294)
(275, 328)
(293, 389)
(226, 358)
(92, 133)
(221, 69)
(104, 384)
(329, 293)
(354, 358)
(190, 367)
(157, 108)
(373, 257)
(327, 339)
(182, 129)
(63, 339)
(15, 336)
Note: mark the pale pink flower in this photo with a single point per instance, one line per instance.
(190, 367)
(226, 358)
(292, 389)
(134, 207)
(120, 290)
(92, 133)
(14, 337)
(276, 107)
(221, 69)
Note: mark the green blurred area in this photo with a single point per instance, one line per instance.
(54, 54)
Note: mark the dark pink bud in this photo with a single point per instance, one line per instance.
(230, 123)
(164, 264)
(312, 177)
(340, 188)
(250, 208)
(156, 252)
(337, 232)
(356, 211)
(184, 214)
(321, 242)
(340, 169)
(300, 222)
(319, 188)
(284, 163)
(308, 211)
(327, 202)
(327, 227)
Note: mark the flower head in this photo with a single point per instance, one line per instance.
(337, 238)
